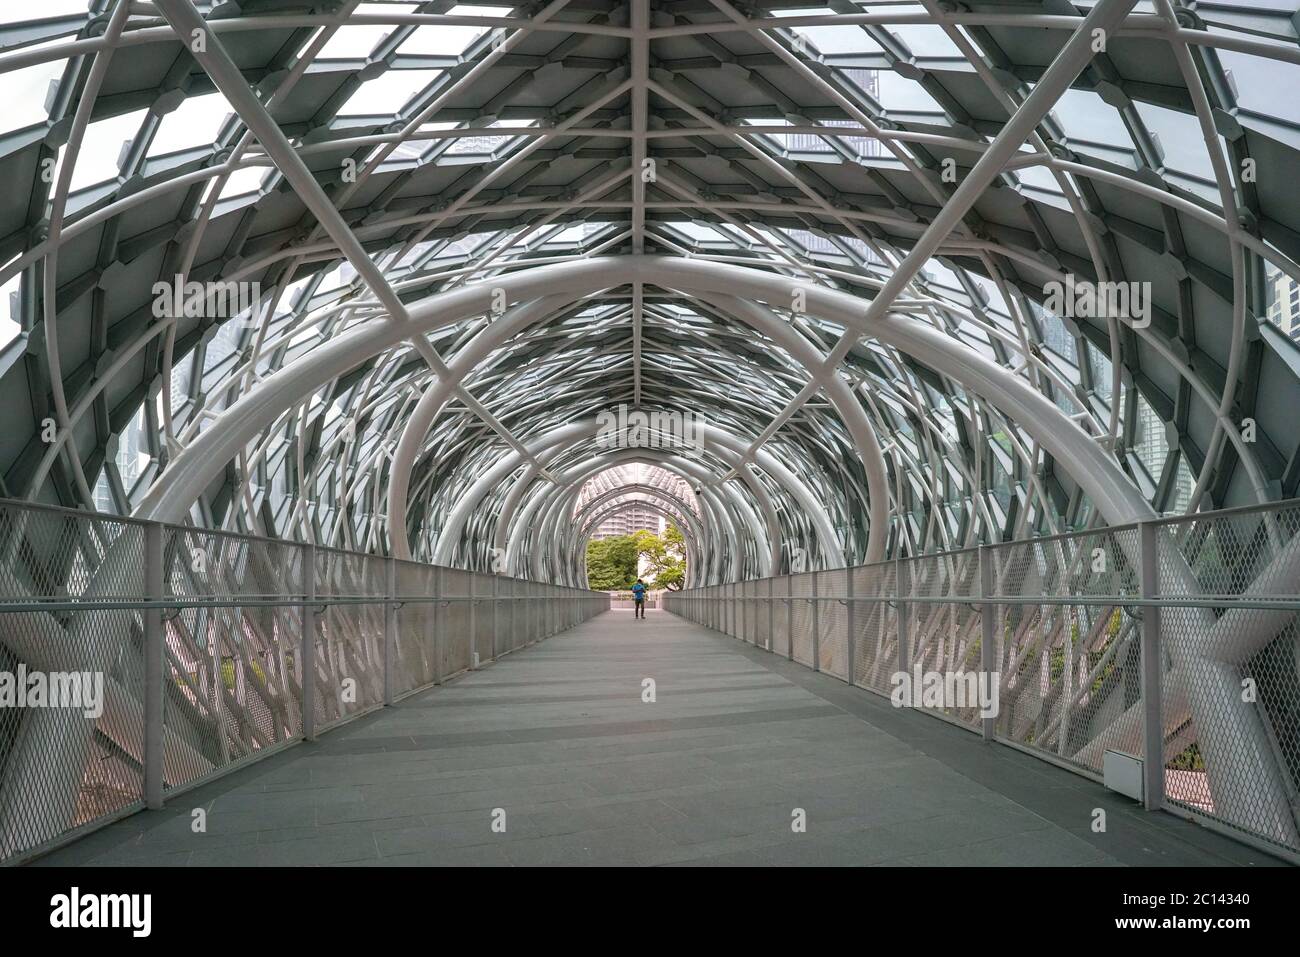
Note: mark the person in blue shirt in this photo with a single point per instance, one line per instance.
(638, 598)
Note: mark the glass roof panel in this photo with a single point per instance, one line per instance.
(1180, 139)
(196, 122)
(17, 12)
(358, 41)
(26, 91)
(101, 149)
(9, 324)
(450, 40)
(244, 181)
(900, 94)
(387, 94)
(1264, 85)
(836, 38)
(487, 144)
(926, 40)
(1086, 116)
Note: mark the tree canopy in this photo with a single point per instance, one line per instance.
(612, 562)
(665, 556)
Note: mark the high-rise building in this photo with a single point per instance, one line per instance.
(1284, 303)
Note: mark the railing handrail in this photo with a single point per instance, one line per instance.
(1178, 670)
(91, 515)
(1073, 535)
(206, 678)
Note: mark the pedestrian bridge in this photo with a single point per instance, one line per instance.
(241, 700)
(929, 343)
(738, 757)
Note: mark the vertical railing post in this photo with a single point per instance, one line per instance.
(989, 615)
(496, 609)
(901, 586)
(789, 616)
(153, 666)
(1153, 750)
(308, 651)
(746, 628)
(438, 618)
(473, 624)
(390, 626)
(850, 620)
(816, 626)
(771, 614)
(218, 698)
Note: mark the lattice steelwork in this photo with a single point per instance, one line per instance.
(1061, 628)
(365, 178)
(375, 278)
(1232, 687)
(89, 596)
(63, 769)
(233, 673)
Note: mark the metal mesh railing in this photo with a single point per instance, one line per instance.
(1230, 708)
(139, 659)
(1174, 642)
(66, 766)
(230, 687)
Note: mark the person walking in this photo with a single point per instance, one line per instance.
(638, 598)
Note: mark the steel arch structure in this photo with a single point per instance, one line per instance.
(831, 185)
(835, 231)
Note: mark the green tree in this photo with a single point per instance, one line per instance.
(611, 563)
(665, 556)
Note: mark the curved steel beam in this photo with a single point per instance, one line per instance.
(760, 319)
(570, 483)
(434, 398)
(724, 514)
(619, 507)
(1095, 471)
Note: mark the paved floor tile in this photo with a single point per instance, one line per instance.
(556, 755)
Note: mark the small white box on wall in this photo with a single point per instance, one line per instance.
(1123, 773)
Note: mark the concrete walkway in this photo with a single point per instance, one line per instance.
(556, 744)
